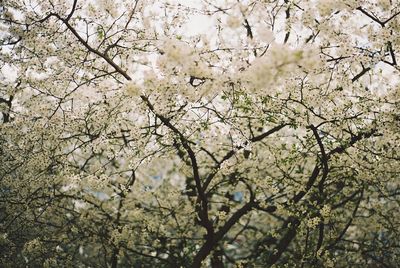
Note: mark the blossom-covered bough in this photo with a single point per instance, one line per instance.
(129, 138)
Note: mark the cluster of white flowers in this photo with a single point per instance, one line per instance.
(233, 22)
(179, 56)
(109, 6)
(121, 235)
(177, 51)
(33, 246)
(50, 262)
(313, 222)
(227, 165)
(274, 190)
(327, 7)
(279, 63)
(265, 34)
(325, 211)
(132, 89)
(222, 215)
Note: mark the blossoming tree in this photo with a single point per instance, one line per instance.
(131, 139)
